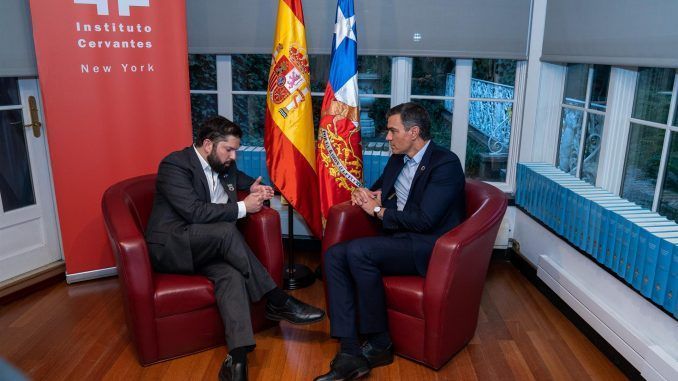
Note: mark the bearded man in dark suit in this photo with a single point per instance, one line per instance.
(418, 198)
(192, 230)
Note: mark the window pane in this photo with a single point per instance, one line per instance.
(16, 183)
(601, 81)
(493, 79)
(642, 164)
(202, 71)
(489, 134)
(433, 76)
(441, 120)
(653, 94)
(668, 202)
(203, 106)
(374, 75)
(373, 119)
(570, 136)
(575, 84)
(317, 104)
(9, 92)
(250, 72)
(320, 71)
(249, 112)
(594, 134)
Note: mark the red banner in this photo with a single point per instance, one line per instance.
(114, 82)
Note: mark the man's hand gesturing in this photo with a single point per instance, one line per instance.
(265, 190)
(253, 202)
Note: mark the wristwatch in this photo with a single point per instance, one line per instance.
(376, 211)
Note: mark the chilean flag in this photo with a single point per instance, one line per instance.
(339, 150)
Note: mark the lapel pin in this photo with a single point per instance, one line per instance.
(423, 167)
(231, 188)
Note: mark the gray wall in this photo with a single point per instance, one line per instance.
(17, 54)
(620, 32)
(453, 28)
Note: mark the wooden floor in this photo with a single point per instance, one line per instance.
(78, 332)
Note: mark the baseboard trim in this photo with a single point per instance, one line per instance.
(89, 275)
(25, 284)
(530, 272)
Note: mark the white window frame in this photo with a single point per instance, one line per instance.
(401, 92)
(414, 97)
(219, 92)
(668, 127)
(618, 119)
(462, 102)
(586, 110)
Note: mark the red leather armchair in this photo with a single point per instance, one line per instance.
(432, 318)
(171, 315)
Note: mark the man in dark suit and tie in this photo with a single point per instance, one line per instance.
(192, 230)
(419, 197)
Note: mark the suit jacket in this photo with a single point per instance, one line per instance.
(436, 202)
(182, 198)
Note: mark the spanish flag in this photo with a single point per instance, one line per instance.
(288, 137)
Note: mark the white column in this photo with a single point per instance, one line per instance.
(544, 144)
(616, 129)
(462, 92)
(401, 80)
(532, 88)
(225, 86)
(516, 124)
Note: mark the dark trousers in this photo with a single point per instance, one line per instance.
(222, 255)
(353, 271)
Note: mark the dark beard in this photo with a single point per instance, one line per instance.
(216, 166)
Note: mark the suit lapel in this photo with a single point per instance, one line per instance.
(198, 171)
(423, 165)
(228, 182)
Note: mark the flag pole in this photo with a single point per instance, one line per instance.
(288, 132)
(295, 276)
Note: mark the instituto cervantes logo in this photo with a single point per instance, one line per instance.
(111, 32)
(123, 5)
(287, 82)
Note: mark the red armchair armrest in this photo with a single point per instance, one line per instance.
(262, 233)
(348, 222)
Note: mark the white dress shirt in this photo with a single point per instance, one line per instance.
(217, 193)
(404, 180)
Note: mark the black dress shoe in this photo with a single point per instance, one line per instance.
(295, 312)
(231, 371)
(345, 367)
(376, 357)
